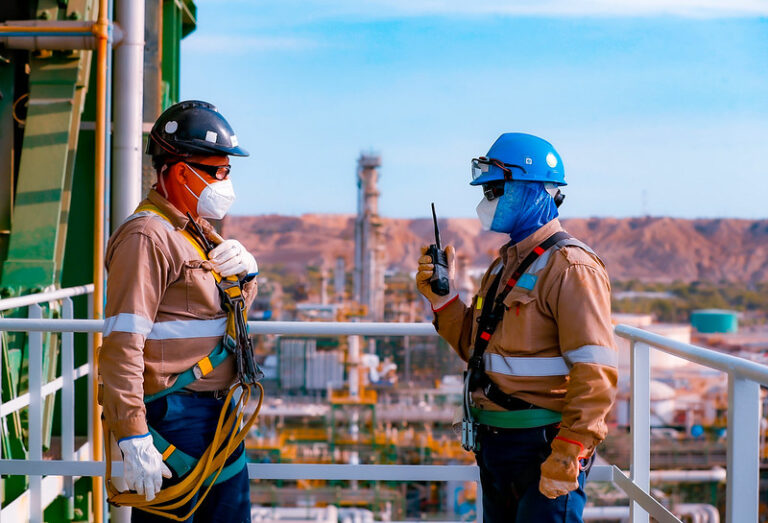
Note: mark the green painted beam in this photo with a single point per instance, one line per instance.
(42, 175)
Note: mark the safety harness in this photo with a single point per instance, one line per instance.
(210, 468)
(476, 377)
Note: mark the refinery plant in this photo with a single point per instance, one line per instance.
(354, 375)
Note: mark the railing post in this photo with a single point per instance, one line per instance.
(743, 450)
(91, 371)
(640, 423)
(479, 501)
(68, 404)
(35, 423)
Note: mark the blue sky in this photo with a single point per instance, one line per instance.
(656, 107)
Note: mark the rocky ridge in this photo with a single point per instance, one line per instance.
(647, 248)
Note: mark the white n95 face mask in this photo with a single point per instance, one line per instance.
(486, 210)
(216, 198)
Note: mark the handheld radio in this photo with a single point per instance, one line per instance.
(439, 280)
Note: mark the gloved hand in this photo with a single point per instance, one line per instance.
(230, 257)
(560, 471)
(143, 466)
(426, 268)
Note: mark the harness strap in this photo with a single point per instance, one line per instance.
(492, 312)
(197, 371)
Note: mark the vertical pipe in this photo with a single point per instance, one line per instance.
(640, 423)
(742, 490)
(68, 405)
(101, 31)
(35, 425)
(128, 117)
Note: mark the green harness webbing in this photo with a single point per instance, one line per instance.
(516, 419)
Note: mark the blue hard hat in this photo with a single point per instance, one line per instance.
(519, 156)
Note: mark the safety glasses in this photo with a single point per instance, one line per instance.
(220, 172)
(493, 190)
(482, 165)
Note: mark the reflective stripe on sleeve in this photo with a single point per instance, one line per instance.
(125, 322)
(171, 330)
(522, 366)
(593, 354)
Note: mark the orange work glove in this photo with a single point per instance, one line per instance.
(560, 471)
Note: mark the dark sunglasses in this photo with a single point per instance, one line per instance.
(220, 172)
(491, 191)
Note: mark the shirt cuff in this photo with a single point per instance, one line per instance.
(445, 305)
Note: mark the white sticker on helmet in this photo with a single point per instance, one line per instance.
(171, 127)
(234, 141)
(528, 161)
(551, 160)
(210, 136)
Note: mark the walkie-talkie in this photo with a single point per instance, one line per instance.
(439, 280)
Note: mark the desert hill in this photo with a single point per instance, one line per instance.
(648, 248)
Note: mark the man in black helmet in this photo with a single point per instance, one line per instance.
(165, 317)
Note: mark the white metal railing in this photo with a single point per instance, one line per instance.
(745, 378)
(42, 491)
(743, 460)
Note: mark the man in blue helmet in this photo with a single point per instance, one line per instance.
(537, 337)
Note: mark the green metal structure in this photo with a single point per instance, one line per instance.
(47, 198)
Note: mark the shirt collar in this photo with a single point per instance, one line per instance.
(177, 219)
(514, 254)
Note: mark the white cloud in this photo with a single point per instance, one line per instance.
(238, 44)
(389, 8)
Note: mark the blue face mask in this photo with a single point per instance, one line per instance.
(523, 208)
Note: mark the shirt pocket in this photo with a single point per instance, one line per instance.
(202, 294)
(517, 325)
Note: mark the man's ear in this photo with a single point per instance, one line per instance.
(178, 173)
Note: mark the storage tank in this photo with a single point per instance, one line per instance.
(715, 321)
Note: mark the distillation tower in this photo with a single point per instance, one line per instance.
(369, 248)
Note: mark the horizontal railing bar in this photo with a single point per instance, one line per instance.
(707, 357)
(11, 406)
(328, 328)
(42, 297)
(283, 471)
(312, 328)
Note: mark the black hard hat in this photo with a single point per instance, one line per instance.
(192, 128)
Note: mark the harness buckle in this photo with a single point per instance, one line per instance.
(475, 363)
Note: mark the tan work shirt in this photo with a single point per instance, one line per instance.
(163, 314)
(554, 345)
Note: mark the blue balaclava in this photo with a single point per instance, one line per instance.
(522, 209)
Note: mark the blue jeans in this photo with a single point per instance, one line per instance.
(510, 467)
(189, 422)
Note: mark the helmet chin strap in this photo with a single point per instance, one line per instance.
(162, 180)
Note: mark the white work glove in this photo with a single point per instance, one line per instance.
(143, 466)
(231, 258)
(426, 268)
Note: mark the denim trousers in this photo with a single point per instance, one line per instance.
(510, 468)
(189, 422)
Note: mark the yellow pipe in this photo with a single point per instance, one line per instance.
(101, 32)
